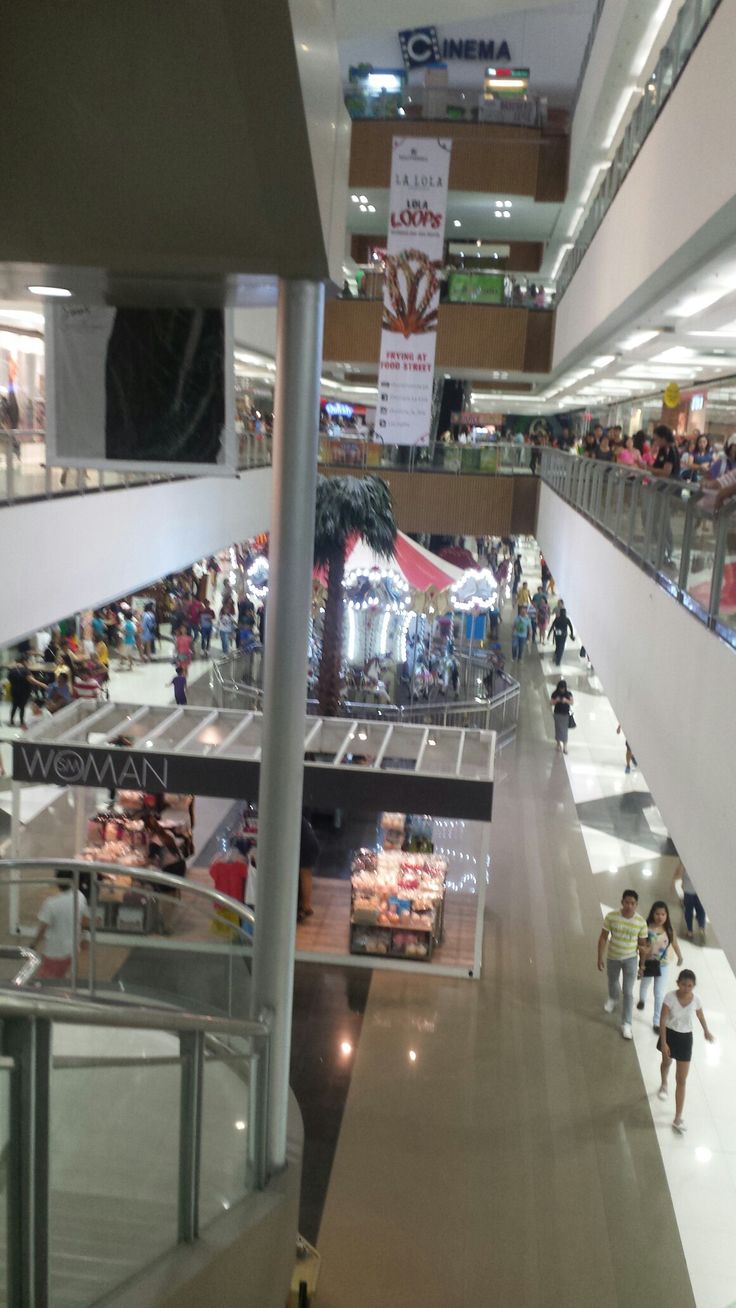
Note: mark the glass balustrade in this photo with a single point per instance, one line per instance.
(663, 525)
(150, 1123)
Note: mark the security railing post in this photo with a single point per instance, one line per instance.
(719, 562)
(28, 1042)
(92, 955)
(191, 1045)
(687, 543)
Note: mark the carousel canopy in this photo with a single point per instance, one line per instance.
(418, 567)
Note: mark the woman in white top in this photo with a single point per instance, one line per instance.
(679, 1010)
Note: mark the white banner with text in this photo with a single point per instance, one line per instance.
(411, 293)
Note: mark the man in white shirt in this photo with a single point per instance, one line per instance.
(55, 934)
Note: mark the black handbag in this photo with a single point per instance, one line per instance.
(652, 967)
(571, 721)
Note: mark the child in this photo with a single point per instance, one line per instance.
(679, 1010)
(179, 682)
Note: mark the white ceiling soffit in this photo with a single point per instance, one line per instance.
(328, 122)
(357, 18)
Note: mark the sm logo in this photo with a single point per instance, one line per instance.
(419, 46)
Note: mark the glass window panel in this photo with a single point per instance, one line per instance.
(111, 1212)
(225, 1137)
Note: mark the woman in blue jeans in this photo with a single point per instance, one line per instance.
(663, 949)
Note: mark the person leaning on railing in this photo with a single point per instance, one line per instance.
(722, 487)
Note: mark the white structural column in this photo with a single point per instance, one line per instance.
(296, 425)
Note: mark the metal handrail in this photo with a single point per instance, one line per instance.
(124, 1015)
(31, 961)
(81, 865)
(254, 452)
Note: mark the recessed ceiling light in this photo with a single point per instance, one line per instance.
(57, 292)
(499, 213)
(507, 204)
(506, 214)
(603, 360)
(479, 243)
(363, 208)
(371, 208)
(693, 304)
(355, 198)
(363, 199)
(456, 222)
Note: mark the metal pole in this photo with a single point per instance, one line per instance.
(295, 447)
(28, 1042)
(191, 1047)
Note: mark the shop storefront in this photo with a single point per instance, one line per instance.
(395, 889)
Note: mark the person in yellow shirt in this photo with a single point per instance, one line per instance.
(103, 654)
(524, 597)
(626, 936)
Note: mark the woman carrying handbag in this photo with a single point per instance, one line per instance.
(664, 949)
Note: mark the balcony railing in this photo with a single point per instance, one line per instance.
(86, 1089)
(499, 459)
(25, 473)
(442, 104)
(471, 285)
(692, 21)
(662, 524)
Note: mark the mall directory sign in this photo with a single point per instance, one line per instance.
(416, 233)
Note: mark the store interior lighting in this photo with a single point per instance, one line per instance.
(51, 292)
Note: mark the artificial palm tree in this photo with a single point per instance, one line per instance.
(347, 508)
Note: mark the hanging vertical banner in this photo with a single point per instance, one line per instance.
(140, 388)
(411, 292)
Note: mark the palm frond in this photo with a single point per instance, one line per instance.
(353, 506)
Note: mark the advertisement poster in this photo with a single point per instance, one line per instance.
(411, 293)
(142, 389)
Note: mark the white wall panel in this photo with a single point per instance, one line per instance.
(672, 684)
(675, 208)
(72, 552)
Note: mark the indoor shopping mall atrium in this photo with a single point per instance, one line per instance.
(367, 654)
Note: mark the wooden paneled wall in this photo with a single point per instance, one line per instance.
(469, 336)
(463, 503)
(485, 157)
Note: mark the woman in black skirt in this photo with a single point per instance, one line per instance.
(679, 1010)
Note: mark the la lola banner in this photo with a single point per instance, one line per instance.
(411, 295)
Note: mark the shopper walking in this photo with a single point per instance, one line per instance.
(206, 619)
(225, 625)
(630, 759)
(691, 904)
(183, 646)
(148, 633)
(179, 682)
(559, 629)
(624, 939)
(562, 702)
(55, 934)
(520, 634)
(130, 640)
(679, 1010)
(22, 683)
(663, 950)
(308, 855)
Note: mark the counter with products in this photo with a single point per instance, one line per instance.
(397, 903)
(120, 835)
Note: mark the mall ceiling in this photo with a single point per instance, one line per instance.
(356, 18)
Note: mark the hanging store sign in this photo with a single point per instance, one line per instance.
(422, 46)
(411, 294)
(138, 388)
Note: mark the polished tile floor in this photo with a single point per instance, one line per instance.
(501, 1144)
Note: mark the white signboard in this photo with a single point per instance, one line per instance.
(411, 295)
(138, 388)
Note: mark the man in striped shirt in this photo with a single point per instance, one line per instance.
(626, 934)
